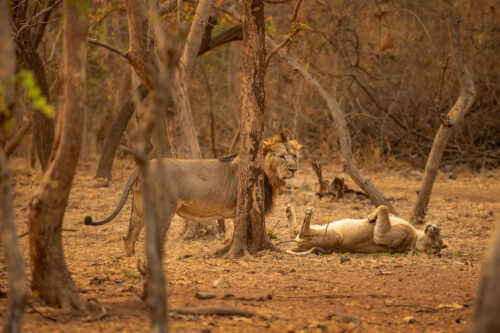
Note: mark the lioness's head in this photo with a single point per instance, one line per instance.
(430, 240)
(281, 159)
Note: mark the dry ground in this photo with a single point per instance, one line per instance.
(372, 293)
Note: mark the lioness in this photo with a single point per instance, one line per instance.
(379, 232)
(202, 190)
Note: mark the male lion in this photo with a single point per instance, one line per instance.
(202, 190)
(379, 232)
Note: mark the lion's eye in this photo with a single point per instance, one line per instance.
(282, 157)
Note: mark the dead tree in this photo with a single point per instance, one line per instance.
(18, 283)
(457, 112)
(51, 278)
(485, 317)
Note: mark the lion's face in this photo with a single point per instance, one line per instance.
(281, 160)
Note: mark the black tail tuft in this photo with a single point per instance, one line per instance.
(87, 220)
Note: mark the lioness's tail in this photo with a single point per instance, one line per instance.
(131, 180)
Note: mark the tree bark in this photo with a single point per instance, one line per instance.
(250, 231)
(115, 134)
(43, 127)
(485, 318)
(27, 42)
(18, 283)
(457, 112)
(51, 278)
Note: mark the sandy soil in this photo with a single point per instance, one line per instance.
(327, 293)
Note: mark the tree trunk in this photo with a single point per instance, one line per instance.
(18, 283)
(27, 42)
(457, 112)
(43, 127)
(249, 230)
(485, 318)
(51, 278)
(115, 134)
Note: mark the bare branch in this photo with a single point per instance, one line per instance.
(109, 47)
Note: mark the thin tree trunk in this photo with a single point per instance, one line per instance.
(18, 283)
(27, 42)
(181, 130)
(485, 318)
(249, 230)
(457, 112)
(115, 133)
(51, 278)
(43, 127)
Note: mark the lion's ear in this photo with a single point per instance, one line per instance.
(295, 144)
(268, 144)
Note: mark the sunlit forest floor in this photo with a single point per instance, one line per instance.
(327, 293)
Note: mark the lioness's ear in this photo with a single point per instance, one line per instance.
(445, 244)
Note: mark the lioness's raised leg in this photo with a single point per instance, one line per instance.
(292, 221)
(305, 231)
(383, 233)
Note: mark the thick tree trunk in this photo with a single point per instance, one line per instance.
(51, 278)
(457, 112)
(485, 318)
(250, 231)
(18, 283)
(115, 134)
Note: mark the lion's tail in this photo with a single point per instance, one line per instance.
(131, 180)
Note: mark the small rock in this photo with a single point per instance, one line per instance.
(344, 259)
(409, 319)
(221, 283)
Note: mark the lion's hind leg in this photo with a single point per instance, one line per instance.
(305, 230)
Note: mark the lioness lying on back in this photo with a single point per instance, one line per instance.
(202, 190)
(379, 232)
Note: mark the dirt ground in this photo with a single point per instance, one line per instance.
(327, 293)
